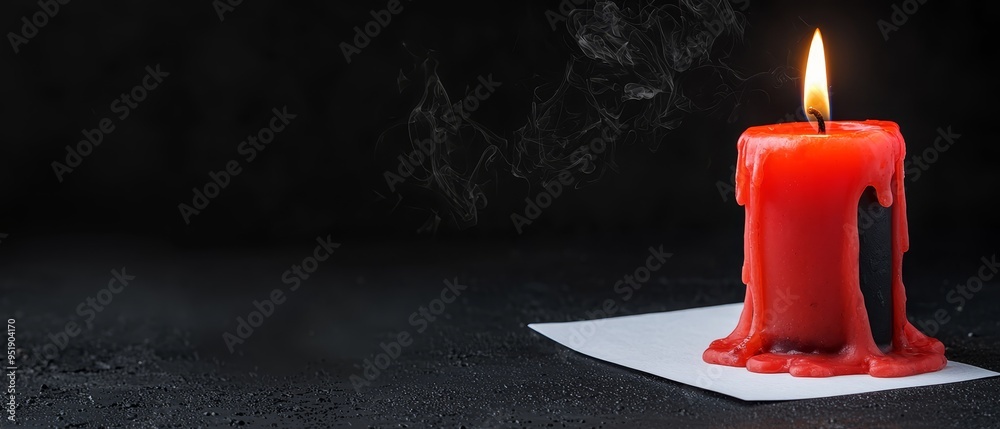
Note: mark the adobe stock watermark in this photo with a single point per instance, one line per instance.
(961, 294)
(123, 107)
(867, 217)
(713, 28)
(583, 158)
(727, 188)
(87, 311)
(292, 278)
(31, 26)
(455, 115)
(365, 33)
(10, 404)
(249, 149)
(625, 288)
(561, 14)
(919, 163)
(222, 7)
(372, 368)
(901, 13)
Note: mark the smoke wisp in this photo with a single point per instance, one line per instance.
(633, 75)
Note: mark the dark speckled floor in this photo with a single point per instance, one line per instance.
(156, 358)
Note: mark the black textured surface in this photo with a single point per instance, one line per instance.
(155, 357)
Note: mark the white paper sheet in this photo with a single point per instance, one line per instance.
(670, 345)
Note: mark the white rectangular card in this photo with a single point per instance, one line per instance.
(670, 345)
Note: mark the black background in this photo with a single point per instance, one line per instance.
(324, 174)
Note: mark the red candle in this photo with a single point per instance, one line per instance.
(804, 311)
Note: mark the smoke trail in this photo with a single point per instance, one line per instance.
(633, 76)
(451, 154)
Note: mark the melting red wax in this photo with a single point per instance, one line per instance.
(804, 311)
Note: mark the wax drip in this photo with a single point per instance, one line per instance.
(819, 119)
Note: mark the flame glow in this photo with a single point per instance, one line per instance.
(814, 92)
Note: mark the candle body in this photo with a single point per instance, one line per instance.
(804, 311)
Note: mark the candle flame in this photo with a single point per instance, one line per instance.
(814, 92)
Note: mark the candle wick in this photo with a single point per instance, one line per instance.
(819, 119)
